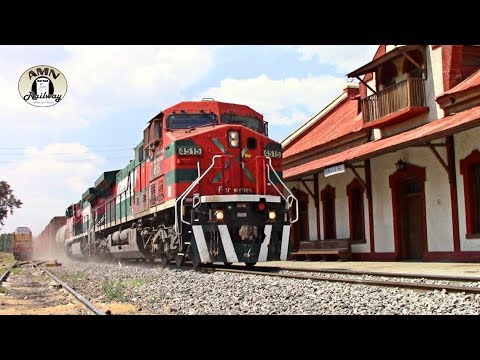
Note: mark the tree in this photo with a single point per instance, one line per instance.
(8, 201)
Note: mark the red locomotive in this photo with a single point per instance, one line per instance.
(205, 185)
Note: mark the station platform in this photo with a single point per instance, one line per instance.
(399, 267)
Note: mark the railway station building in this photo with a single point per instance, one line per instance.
(393, 163)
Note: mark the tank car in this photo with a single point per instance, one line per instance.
(45, 244)
(205, 185)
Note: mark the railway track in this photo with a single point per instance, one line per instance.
(357, 277)
(7, 272)
(39, 293)
(372, 278)
(89, 305)
(375, 278)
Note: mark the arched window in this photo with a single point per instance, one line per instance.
(356, 212)
(327, 196)
(470, 169)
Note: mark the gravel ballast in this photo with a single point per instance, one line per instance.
(157, 290)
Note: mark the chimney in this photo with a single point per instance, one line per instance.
(451, 65)
(352, 90)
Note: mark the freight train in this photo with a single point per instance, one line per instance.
(45, 244)
(22, 243)
(205, 186)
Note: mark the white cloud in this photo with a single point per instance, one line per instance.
(100, 80)
(115, 77)
(47, 179)
(345, 58)
(282, 102)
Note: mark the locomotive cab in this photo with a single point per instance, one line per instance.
(215, 161)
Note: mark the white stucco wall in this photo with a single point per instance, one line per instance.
(465, 142)
(339, 182)
(434, 64)
(437, 199)
(435, 81)
(342, 224)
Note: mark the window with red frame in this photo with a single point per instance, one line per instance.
(470, 169)
(327, 196)
(356, 213)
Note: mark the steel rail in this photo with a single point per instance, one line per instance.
(398, 284)
(76, 294)
(5, 274)
(373, 273)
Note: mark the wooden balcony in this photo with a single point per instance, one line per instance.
(398, 102)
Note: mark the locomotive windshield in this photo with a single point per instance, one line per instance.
(186, 121)
(248, 121)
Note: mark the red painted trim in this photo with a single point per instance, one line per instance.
(452, 179)
(397, 116)
(374, 257)
(368, 180)
(435, 47)
(317, 203)
(303, 221)
(411, 172)
(464, 256)
(465, 169)
(355, 185)
(328, 190)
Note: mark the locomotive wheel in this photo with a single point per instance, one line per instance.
(180, 260)
(250, 265)
(164, 260)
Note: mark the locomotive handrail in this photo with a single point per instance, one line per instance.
(187, 191)
(290, 198)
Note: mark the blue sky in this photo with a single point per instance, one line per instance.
(51, 155)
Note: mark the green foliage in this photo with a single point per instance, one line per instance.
(2, 290)
(8, 201)
(136, 282)
(6, 242)
(114, 290)
(17, 271)
(77, 276)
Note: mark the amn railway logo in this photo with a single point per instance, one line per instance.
(42, 85)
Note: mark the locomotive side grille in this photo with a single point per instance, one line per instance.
(152, 194)
(160, 191)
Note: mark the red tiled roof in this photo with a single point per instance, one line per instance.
(433, 130)
(338, 122)
(470, 82)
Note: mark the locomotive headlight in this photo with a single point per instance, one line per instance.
(219, 215)
(233, 139)
(272, 215)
